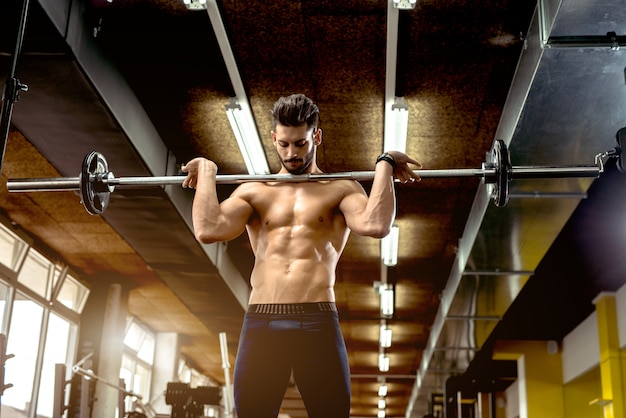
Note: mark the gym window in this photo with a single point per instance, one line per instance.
(137, 361)
(40, 306)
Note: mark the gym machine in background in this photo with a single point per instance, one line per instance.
(82, 390)
(189, 402)
(186, 402)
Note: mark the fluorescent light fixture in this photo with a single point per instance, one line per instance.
(404, 4)
(396, 125)
(386, 300)
(239, 111)
(382, 404)
(244, 128)
(382, 390)
(389, 247)
(195, 4)
(396, 110)
(385, 336)
(383, 363)
(381, 413)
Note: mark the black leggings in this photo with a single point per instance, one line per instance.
(310, 344)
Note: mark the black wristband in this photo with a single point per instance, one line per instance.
(385, 156)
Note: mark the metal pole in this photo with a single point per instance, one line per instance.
(121, 396)
(59, 390)
(90, 375)
(553, 172)
(12, 86)
(85, 411)
(228, 402)
(41, 185)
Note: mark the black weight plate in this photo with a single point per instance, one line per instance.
(502, 164)
(95, 196)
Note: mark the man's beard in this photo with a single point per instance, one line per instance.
(307, 161)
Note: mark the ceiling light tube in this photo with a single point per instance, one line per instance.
(247, 137)
(385, 336)
(396, 125)
(382, 404)
(391, 58)
(191, 4)
(383, 363)
(389, 247)
(381, 413)
(249, 133)
(382, 390)
(386, 300)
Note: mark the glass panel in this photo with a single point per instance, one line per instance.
(57, 342)
(141, 383)
(73, 294)
(134, 336)
(4, 294)
(198, 379)
(56, 273)
(23, 341)
(126, 372)
(146, 351)
(11, 248)
(35, 273)
(127, 369)
(184, 372)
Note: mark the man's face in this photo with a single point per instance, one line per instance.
(296, 147)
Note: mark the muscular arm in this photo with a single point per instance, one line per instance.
(214, 221)
(373, 216)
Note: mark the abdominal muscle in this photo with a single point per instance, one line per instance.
(296, 265)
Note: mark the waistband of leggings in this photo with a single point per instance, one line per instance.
(291, 308)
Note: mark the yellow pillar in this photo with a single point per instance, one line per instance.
(610, 361)
(539, 375)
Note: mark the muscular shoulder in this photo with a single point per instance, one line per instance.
(335, 190)
(246, 190)
(350, 187)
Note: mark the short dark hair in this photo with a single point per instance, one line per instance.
(295, 110)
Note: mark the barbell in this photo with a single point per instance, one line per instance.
(96, 183)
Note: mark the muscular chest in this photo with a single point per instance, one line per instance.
(303, 204)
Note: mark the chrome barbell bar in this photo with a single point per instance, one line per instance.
(73, 183)
(96, 182)
(487, 173)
